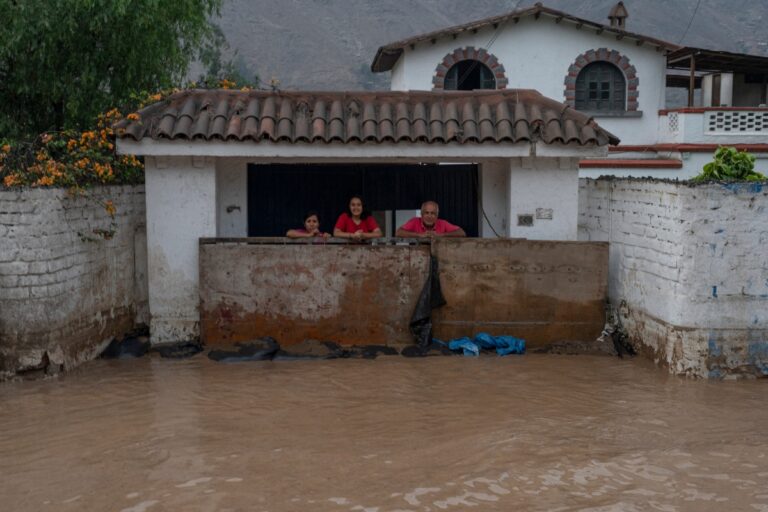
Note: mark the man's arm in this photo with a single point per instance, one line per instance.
(404, 233)
(456, 233)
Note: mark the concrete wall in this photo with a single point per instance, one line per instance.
(536, 54)
(746, 95)
(547, 190)
(64, 290)
(688, 268)
(352, 294)
(543, 291)
(181, 208)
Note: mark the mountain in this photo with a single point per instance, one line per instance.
(329, 44)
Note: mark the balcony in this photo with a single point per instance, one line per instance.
(714, 125)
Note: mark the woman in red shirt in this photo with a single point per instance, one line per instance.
(356, 223)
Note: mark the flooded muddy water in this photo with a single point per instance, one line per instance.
(537, 432)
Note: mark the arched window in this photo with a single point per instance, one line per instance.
(601, 86)
(468, 75)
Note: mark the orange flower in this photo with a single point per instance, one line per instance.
(109, 206)
(44, 181)
(71, 143)
(156, 97)
(133, 116)
(11, 180)
(6, 148)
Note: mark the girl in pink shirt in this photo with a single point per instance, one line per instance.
(311, 228)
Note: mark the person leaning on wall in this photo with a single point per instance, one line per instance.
(357, 223)
(429, 225)
(311, 228)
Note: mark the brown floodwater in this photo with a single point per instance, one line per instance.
(533, 432)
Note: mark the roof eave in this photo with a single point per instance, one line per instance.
(385, 59)
(391, 151)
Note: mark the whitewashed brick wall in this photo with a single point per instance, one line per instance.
(689, 268)
(65, 291)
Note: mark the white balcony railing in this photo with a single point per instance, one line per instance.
(714, 125)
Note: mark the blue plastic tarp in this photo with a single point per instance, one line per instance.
(504, 345)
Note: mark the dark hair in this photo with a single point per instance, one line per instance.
(310, 213)
(364, 214)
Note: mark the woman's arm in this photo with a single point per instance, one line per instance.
(376, 233)
(338, 233)
(295, 233)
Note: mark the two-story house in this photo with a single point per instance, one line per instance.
(619, 77)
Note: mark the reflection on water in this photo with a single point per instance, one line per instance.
(395, 434)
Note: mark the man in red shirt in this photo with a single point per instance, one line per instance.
(429, 226)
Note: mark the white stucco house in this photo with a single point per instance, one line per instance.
(234, 164)
(617, 76)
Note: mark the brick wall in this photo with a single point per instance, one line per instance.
(65, 291)
(688, 268)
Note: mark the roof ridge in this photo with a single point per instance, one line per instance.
(388, 54)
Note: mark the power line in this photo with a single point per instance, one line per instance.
(690, 22)
(496, 32)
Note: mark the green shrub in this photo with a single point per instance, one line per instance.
(730, 164)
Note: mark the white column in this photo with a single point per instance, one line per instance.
(706, 91)
(181, 208)
(494, 203)
(726, 89)
(544, 191)
(232, 197)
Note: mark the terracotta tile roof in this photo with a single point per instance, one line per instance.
(364, 117)
(387, 55)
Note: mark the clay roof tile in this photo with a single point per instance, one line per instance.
(454, 117)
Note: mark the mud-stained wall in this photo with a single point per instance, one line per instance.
(352, 294)
(543, 291)
(71, 277)
(688, 270)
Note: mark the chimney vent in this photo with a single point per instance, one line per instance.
(618, 16)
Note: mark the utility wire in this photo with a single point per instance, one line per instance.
(690, 22)
(487, 47)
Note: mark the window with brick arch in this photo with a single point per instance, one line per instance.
(601, 86)
(469, 75)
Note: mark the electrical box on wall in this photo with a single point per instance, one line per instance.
(525, 220)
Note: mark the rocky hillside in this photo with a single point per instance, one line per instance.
(329, 44)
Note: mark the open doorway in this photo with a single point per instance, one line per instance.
(280, 194)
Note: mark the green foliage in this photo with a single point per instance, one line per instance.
(730, 164)
(62, 62)
(218, 69)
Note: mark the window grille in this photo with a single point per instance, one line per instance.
(673, 118)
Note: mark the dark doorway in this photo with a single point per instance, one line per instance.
(279, 195)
